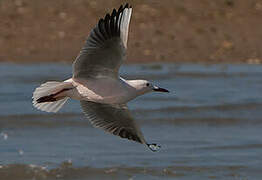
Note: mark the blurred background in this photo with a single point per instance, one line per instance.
(168, 30)
(206, 52)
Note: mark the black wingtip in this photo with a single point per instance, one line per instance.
(107, 17)
(108, 27)
(113, 12)
(100, 21)
(153, 147)
(126, 6)
(120, 8)
(43, 99)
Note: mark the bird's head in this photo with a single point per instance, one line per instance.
(144, 86)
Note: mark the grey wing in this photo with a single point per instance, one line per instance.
(105, 48)
(116, 120)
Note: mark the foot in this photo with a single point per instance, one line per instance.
(153, 147)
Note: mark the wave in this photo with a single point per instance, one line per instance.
(45, 122)
(222, 107)
(234, 147)
(167, 115)
(67, 171)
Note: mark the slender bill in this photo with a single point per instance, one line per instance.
(160, 89)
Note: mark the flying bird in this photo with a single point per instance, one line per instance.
(96, 83)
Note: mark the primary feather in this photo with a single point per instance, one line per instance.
(105, 47)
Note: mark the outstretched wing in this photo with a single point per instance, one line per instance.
(116, 120)
(105, 48)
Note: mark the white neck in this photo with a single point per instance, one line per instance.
(134, 88)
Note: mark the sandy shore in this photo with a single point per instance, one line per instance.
(169, 30)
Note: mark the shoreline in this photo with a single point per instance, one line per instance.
(160, 31)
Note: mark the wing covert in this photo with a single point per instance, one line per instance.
(116, 120)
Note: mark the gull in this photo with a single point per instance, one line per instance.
(96, 83)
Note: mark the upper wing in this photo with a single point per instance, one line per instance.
(116, 120)
(105, 48)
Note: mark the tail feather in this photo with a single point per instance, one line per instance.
(49, 96)
(51, 106)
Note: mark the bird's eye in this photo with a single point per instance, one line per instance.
(147, 84)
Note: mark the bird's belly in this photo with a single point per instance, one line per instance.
(108, 93)
(107, 98)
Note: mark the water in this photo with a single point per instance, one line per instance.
(209, 127)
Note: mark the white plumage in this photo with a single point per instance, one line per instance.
(96, 83)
